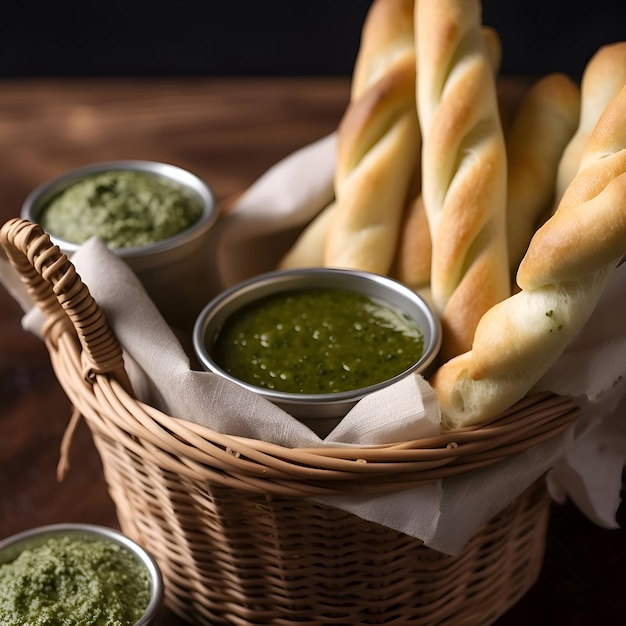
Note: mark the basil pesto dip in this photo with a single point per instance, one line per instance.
(68, 581)
(317, 341)
(124, 208)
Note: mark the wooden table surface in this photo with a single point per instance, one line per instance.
(228, 131)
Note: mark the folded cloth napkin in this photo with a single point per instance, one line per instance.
(444, 514)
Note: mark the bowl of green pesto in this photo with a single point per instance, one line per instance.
(315, 341)
(157, 217)
(127, 204)
(77, 574)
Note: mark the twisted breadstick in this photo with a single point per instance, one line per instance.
(567, 266)
(378, 149)
(588, 229)
(413, 258)
(387, 38)
(543, 125)
(463, 167)
(604, 76)
(386, 49)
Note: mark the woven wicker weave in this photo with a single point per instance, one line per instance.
(228, 518)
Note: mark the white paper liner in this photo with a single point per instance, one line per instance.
(584, 463)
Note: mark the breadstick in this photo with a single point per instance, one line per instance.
(589, 226)
(413, 260)
(603, 77)
(386, 42)
(387, 39)
(520, 338)
(378, 148)
(543, 125)
(464, 167)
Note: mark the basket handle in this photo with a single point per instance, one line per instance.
(62, 297)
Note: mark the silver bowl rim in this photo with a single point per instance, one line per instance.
(284, 279)
(104, 532)
(39, 197)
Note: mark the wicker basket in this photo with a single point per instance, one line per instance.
(228, 518)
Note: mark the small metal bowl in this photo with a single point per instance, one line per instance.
(11, 547)
(176, 271)
(321, 412)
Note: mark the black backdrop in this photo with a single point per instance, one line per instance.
(271, 37)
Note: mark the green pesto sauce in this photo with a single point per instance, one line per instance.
(70, 581)
(317, 341)
(123, 208)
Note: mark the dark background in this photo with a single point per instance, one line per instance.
(271, 37)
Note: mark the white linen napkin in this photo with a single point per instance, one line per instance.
(444, 514)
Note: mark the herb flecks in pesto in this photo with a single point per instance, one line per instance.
(317, 341)
(68, 581)
(123, 208)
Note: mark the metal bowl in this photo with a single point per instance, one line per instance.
(321, 412)
(40, 197)
(11, 547)
(176, 271)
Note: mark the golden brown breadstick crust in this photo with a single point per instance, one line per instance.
(387, 42)
(378, 144)
(413, 260)
(543, 125)
(386, 38)
(463, 167)
(377, 152)
(520, 338)
(603, 77)
(589, 227)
